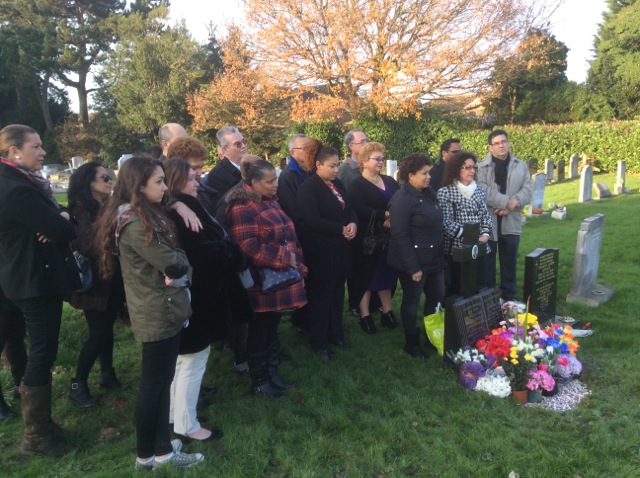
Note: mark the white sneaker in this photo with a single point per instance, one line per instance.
(179, 460)
(176, 444)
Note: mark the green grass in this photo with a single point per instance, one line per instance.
(375, 412)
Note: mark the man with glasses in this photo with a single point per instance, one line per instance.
(349, 169)
(448, 148)
(507, 186)
(227, 172)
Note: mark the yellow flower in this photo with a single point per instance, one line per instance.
(531, 320)
(528, 358)
(514, 361)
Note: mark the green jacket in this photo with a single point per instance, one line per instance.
(157, 311)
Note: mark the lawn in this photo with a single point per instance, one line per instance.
(374, 411)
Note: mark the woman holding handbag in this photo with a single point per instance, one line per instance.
(416, 247)
(370, 194)
(329, 226)
(266, 236)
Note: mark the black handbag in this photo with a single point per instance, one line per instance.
(376, 238)
(84, 271)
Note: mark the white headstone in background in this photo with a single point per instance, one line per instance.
(123, 158)
(602, 190)
(392, 167)
(620, 178)
(574, 161)
(76, 162)
(537, 201)
(586, 183)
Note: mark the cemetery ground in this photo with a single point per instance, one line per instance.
(376, 412)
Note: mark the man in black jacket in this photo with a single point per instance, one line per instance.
(292, 176)
(227, 172)
(447, 149)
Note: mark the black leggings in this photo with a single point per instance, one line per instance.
(99, 343)
(263, 330)
(152, 406)
(12, 335)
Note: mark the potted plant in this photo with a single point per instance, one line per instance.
(539, 380)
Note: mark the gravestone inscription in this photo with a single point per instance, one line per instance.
(541, 282)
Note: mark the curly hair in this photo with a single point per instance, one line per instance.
(132, 177)
(453, 167)
(310, 150)
(366, 150)
(412, 164)
(79, 192)
(187, 148)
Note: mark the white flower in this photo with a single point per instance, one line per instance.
(495, 385)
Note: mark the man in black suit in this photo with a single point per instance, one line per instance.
(448, 148)
(227, 172)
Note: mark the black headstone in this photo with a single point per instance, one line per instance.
(492, 307)
(467, 256)
(465, 322)
(541, 282)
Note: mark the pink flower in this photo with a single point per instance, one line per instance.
(564, 361)
(543, 367)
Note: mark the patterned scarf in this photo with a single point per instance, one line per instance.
(43, 184)
(336, 193)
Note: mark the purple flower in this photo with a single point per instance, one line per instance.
(470, 372)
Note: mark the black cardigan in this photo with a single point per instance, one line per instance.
(326, 251)
(28, 267)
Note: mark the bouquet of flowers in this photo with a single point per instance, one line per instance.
(472, 364)
(567, 366)
(540, 379)
(495, 383)
(522, 358)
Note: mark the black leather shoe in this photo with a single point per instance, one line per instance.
(366, 323)
(389, 320)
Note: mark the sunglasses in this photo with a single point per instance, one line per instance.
(239, 144)
(105, 177)
(470, 167)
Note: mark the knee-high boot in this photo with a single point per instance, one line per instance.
(274, 360)
(259, 371)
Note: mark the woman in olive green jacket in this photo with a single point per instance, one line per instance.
(135, 227)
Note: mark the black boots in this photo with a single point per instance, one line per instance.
(109, 380)
(259, 371)
(412, 345)
(367, 325)
(79, 394)
(389, 320)
(274, 360)
(5, 411)
(40, 432)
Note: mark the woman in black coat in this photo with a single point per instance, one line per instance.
(215, 289)
(416, 246)
(329, 225)
(370, 194)
(36, 269)
(89, 188)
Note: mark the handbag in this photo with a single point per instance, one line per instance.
(275, 279)
(376, 238)
(84, 270)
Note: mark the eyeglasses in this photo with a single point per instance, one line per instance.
(469, 167)
(105, 177)
(500, 143)
(239, 144)
(378, 160)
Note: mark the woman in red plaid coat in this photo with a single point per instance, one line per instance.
(267, 238)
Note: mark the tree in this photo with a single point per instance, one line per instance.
(242, 95)
(383, 55)
(614, 76)
(162, 64)
(537, 67)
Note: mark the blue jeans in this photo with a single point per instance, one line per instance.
(432, 284)
(507, 247)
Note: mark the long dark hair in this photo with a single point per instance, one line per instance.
(132, 177)
(453, 166)
(177, 174)
(79, 192)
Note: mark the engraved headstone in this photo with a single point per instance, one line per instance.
(584, 286)
(541, 282)
(601, 190)
(537, 201)
(574, 162)
(548, 169)
(560, 169)
(620, 177)
(492, 307)
(586, 183)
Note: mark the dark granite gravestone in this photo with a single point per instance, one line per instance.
(468, 256)
(492, 307)
(541, 282)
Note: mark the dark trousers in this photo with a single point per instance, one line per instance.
(432, 284)
(326, 302)
(12, 335)
(152, 406)
(42, 316)
(263, 330)
(507, 252)
(99, 343)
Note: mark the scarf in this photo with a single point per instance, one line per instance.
(466, 191)
(42, 183)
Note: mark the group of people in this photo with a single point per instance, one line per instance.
(197, 260)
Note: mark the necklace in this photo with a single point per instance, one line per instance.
(375, 180)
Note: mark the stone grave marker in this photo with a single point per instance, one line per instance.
(541, 282)
(532, 163)
(468, 257)
(620, 177)
(548, 169)
(537, 201)
(574, 162)
(392, 167)
(492, 307)
(469, 319)
(560, 169)
(584, 286)
(586, 183)
(602, 190)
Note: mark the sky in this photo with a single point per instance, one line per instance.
(575, 23)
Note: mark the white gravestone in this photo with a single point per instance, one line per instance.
(620, 178)
(586, 184)
(574, 161)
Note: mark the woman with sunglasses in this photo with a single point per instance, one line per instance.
(370, 194)
(462, 202)
(89, 187)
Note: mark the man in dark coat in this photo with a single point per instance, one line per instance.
(226, 173)
(292, 176)
(448, 148)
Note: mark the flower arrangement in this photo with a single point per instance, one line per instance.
(466, 355)
(496, 385)
(540, 379)
(567, 366)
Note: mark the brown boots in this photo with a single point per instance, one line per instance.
(41, 434)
